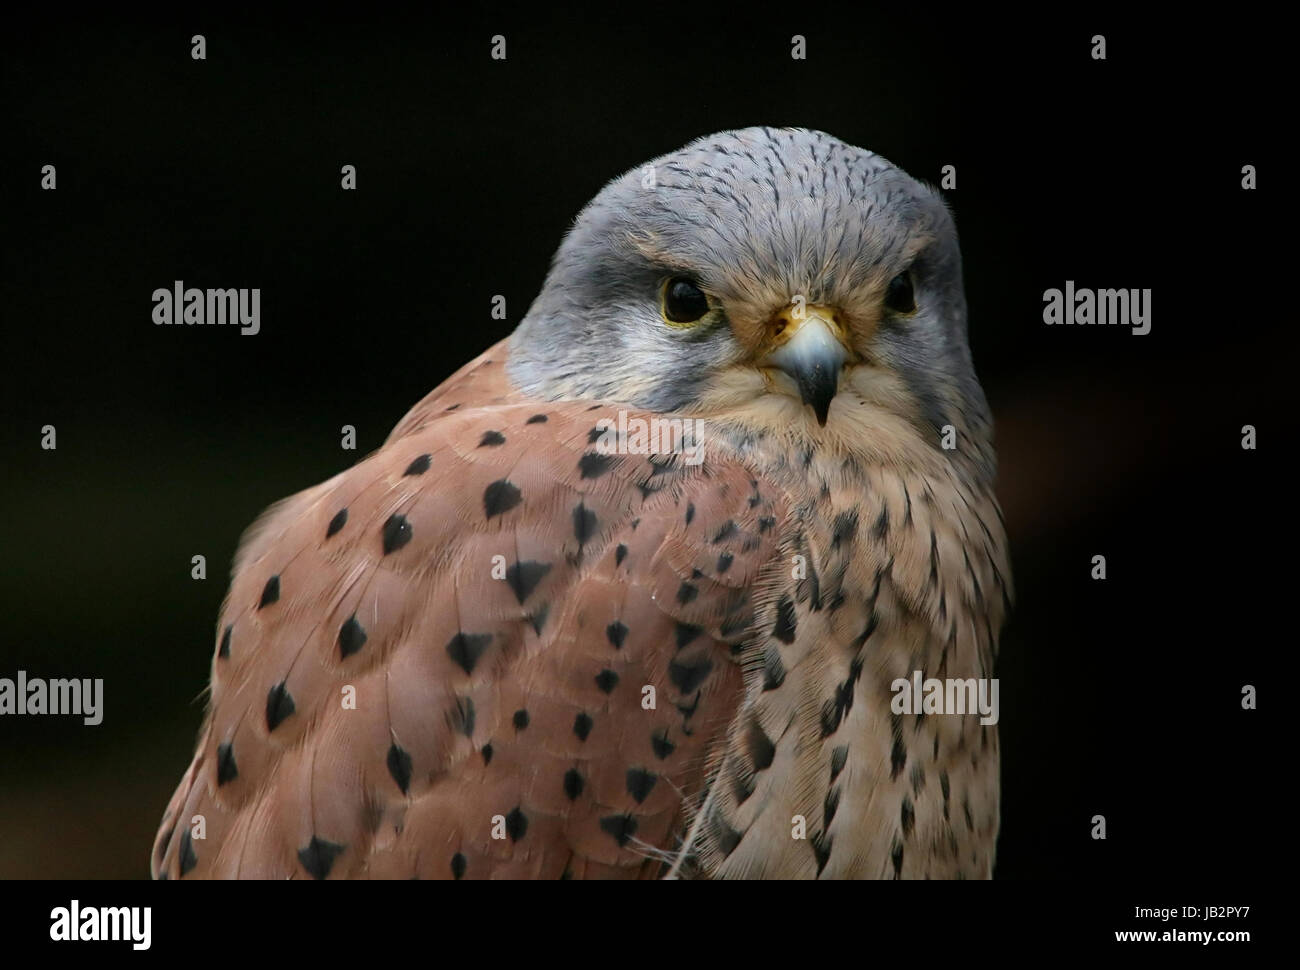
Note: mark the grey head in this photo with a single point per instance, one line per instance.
(757, 265)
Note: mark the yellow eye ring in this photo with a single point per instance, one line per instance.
(682, 303)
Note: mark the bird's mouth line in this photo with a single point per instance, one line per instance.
(812, 351)
(814, 394)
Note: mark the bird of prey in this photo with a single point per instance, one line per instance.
(524, 639)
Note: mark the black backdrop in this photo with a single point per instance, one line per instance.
(1119, 698)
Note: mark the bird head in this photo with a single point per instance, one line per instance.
(777, 277)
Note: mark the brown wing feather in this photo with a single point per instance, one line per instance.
(479, 702)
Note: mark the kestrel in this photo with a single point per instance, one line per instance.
(528, 639)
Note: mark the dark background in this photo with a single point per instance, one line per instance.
(1120, 697)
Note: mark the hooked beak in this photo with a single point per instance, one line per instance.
(811, 353)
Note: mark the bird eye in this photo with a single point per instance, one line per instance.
(899, 297)
(683, 301)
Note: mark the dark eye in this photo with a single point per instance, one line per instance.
(684, 302)
(899, 297)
